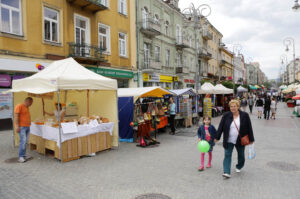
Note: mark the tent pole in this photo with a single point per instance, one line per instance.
(59, 128)
(88, 103)
(13, 120)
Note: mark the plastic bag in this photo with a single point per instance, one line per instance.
(251, 152)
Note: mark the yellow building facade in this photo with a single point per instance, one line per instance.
(226, 63)
(96, 33)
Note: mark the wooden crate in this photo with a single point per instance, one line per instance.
(72, 149)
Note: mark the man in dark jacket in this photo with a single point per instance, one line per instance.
(267, 108)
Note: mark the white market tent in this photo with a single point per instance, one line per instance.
(283, 87)
(69, 82)
(241, 89)
(65, 74)
(206, 88)
(185, 91)
(143, 92)
(220, 89)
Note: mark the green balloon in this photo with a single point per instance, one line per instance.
(203, 146)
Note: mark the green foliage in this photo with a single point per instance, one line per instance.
(206, 80)
(228, 84)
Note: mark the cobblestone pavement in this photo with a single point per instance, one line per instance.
(170, 169)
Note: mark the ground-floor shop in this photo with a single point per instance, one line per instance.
(125, 78)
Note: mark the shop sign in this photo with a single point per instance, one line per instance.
(16, 77)
(189, 81)
(112, 72)
(154, 77)
(5, 80)
(175, 79)
(6, 105)
(165, 78)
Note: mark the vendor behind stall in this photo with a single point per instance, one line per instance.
(58, 114)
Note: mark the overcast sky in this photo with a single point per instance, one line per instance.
(258, 25)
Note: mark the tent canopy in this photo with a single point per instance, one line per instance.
(242, 89)
(220, 89)
(185, 91)
(64, 74)
(207, 88)
(283, 87)
(253, 87)
(143, 92)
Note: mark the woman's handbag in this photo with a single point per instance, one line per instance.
(245, 139)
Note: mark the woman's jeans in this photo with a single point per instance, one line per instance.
(228, 154)
(23, 135)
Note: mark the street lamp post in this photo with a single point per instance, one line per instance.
(195, 14)
(284, 60)
(238, 48)
(296, 6)
(288, 42)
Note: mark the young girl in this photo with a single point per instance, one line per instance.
(207, 132)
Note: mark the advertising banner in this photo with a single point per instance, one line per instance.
(6, 105)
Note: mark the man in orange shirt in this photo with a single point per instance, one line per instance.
(22, 122)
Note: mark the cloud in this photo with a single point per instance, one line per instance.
(259, 26)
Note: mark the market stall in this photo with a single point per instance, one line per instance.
(207, 89)
(141, 109)
(90, 110)
(186, 104)
(221, 103)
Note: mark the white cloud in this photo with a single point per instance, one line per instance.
(258, 25)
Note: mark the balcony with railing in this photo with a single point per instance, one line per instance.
(182, 70)
(91, 5)
(182, 42)
(205, 54)
(151, 64)
(207, 35)
(86, 53)
(150, 27)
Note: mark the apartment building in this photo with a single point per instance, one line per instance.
(96, 33)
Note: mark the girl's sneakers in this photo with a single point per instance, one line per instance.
(208, 166)
(201, 168)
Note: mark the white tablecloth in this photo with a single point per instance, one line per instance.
(51, 133)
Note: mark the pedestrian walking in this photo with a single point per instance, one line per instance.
(267, 108)
(172, 111)
(244, 104)
(259, 104)
(234, 124)
(207, 132)
(273, 108)
(250, 102)
(22, 124)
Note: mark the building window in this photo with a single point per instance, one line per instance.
(178, 59)
(191, 42)
(184, 61)
(104, 2)
(156, 19)
(104, 37)
(51, 25)
(122, 44)
(11, 16)
(192, 64)
(157, 53)
(167, 28)
(123, 7)
(167, 57)
(123, 83)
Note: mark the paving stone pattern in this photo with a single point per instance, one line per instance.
(169, 169)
